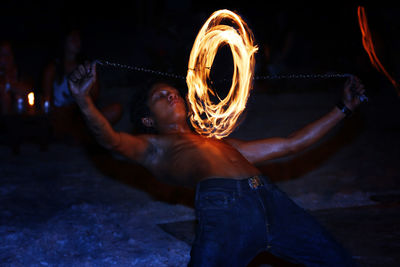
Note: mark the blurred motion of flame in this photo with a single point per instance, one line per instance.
(369, 46)
(219, 120)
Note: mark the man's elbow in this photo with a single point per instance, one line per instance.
(112, 143)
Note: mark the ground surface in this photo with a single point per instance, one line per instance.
(69, 206)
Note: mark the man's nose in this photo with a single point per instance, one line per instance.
(172, 96)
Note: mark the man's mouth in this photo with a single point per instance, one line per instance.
(173, 102)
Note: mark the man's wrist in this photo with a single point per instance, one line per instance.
(343, 108)
(83, 101)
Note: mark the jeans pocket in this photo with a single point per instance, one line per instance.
(214, 200)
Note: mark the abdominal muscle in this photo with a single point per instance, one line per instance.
(188, 159)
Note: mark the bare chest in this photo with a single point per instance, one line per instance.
(187, 159)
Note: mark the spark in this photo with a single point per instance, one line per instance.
(219, 120)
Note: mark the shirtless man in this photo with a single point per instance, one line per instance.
(240, 213)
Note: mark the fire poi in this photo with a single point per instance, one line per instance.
(219, 120)
(369, 46)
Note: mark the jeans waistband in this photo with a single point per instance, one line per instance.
(246, 184)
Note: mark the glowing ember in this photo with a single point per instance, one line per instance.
(369, 46)
(219, 120)
(31, 99)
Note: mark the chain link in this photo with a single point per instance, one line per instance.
(267, 77)
(139, 69)
(303, 76)
(363, 98)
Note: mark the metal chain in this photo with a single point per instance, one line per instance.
(267, 77)
(363, 98)
(140, 69)
(303, 76)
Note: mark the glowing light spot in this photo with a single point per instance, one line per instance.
(31, 99)
(219, 120)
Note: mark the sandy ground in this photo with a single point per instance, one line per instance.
(58, 210)
(69, 206)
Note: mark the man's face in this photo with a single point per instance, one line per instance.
(166, 104)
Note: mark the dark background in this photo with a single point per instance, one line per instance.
(71, 206)
(158, 34)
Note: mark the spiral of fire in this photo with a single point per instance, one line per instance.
(218, 120)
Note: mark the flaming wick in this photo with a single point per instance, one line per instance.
(219, 120)
(31, 99)
(369, 46)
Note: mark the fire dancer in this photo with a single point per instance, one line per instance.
(240, 212)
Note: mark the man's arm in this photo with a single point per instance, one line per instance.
(80, 82)
(270, 148)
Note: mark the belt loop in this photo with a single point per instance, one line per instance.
(265, 179)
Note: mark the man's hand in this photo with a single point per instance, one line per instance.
(353, 89)
(81, 80)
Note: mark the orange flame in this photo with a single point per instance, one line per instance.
(219, 120)
(369, 46)
(31, 99)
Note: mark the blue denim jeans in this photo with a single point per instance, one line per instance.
(238, 219)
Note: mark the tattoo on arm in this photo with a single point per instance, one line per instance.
(100, 127)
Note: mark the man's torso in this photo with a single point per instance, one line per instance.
(189, 158)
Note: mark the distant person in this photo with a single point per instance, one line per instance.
(278, 43)
(12, 87)
(57, 97)
(240, 212)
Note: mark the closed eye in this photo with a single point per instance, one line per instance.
(158, 95)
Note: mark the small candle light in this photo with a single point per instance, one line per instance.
(31, 99)
(46, 106)
(20, 105)
(31, 103)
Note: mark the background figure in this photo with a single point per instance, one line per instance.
(278, 38)
(66, 121)
(12, 87)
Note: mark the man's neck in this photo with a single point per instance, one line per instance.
(175, 128)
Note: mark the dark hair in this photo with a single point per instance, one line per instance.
(139, 103)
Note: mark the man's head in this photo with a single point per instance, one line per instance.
(157, 106)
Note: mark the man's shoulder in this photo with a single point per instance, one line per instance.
(233, 141)
(156, 146)
(154, 141)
